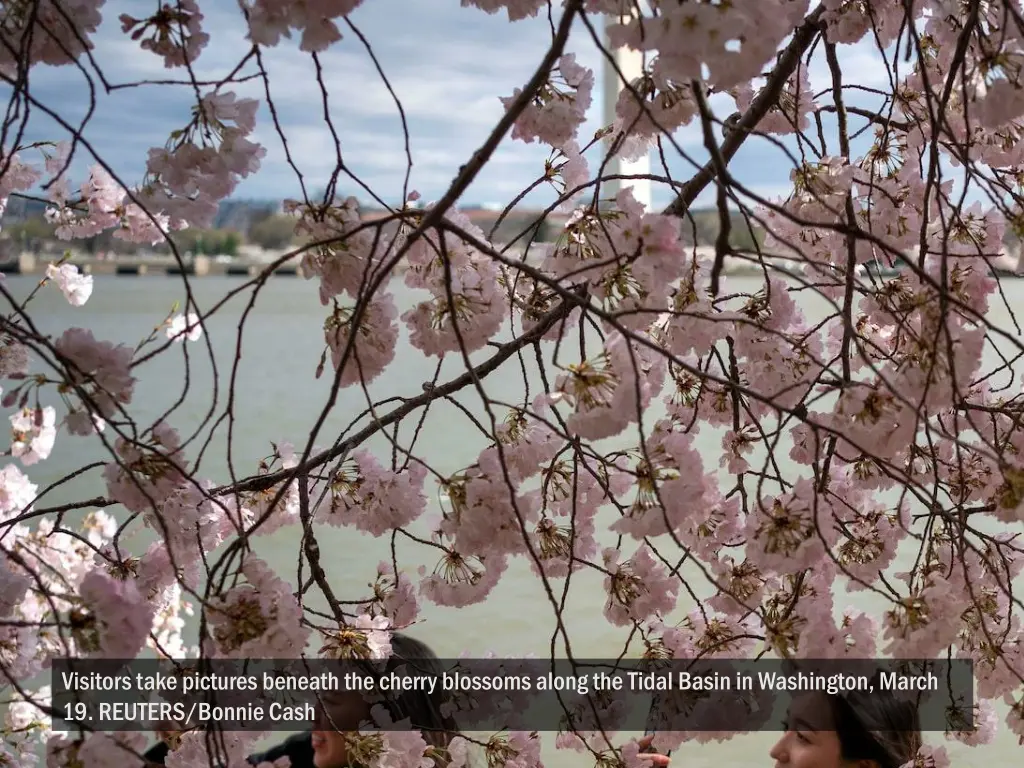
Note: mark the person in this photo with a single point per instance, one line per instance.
(854, 729)
(325, 746)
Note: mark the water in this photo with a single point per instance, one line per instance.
(276, 398)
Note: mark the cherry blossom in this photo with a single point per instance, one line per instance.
(269, 510)
(95, 749)
(13, 359)
(34, 433)
(146, 473)
(791, 114)
(58, 34)
(193, 750)
(345, 255)
(638, 588)
(651, 104)
(605, 391)
(929, 757)
(460, 580)
(468, 304)
(174, 32)
(516, 9)
(188, 179)
(395, 597)
(17, 492)
(708, 29)
(77, 288)
(119, 617)
(373, 499)
(99, 368)
(561, 106)
(362, 347)
(259, 618)
(107, 208)
(270, 20)
(185, 327)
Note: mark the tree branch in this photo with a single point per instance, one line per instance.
(766, 99)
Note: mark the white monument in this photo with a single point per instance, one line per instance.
(630, 63)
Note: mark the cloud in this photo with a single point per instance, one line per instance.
(862, 64)
(445, 65)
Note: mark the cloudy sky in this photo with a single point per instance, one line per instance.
(447, 65)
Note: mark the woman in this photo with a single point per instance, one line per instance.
(326, 747)
(865, 729)
(857, 729)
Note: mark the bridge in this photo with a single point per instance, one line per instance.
(28, 263)
(202, 266)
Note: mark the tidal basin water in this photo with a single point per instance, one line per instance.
(276, 398)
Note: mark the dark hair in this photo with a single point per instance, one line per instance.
(424, 710)
(876, 725)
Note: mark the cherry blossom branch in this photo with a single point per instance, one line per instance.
(788, 61)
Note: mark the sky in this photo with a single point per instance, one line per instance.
(447, 65)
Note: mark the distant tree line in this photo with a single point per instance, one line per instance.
(260, 224)
(261, 227)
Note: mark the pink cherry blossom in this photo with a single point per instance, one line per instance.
(985, 725)
(95, 749)
(793, 109)
(107, 209)
(270, 20)
(395, 597)
(146, 473)
(120, 619)
(258, 618)
(58, 35)
(560, 108)
(516, 9)
(174, 34)
(669, 485)
(459, 580)
(662, 104)
(266, 511)
(703, 41)
(13, 586)
(80, 421)
(610, 391)
(34, 433)
(1015, 719)
(191, 522)
(182, 327)
(190, 179)
(468, 304)
(77, 288)
(194, 749)
(345, 265)
(373, 499)
(629, 256)
(929, 757)
(790, 533)
(100, 368)
(377, 630)
(17, 492)
(19, 176)
(638, 589)
(363, 348)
